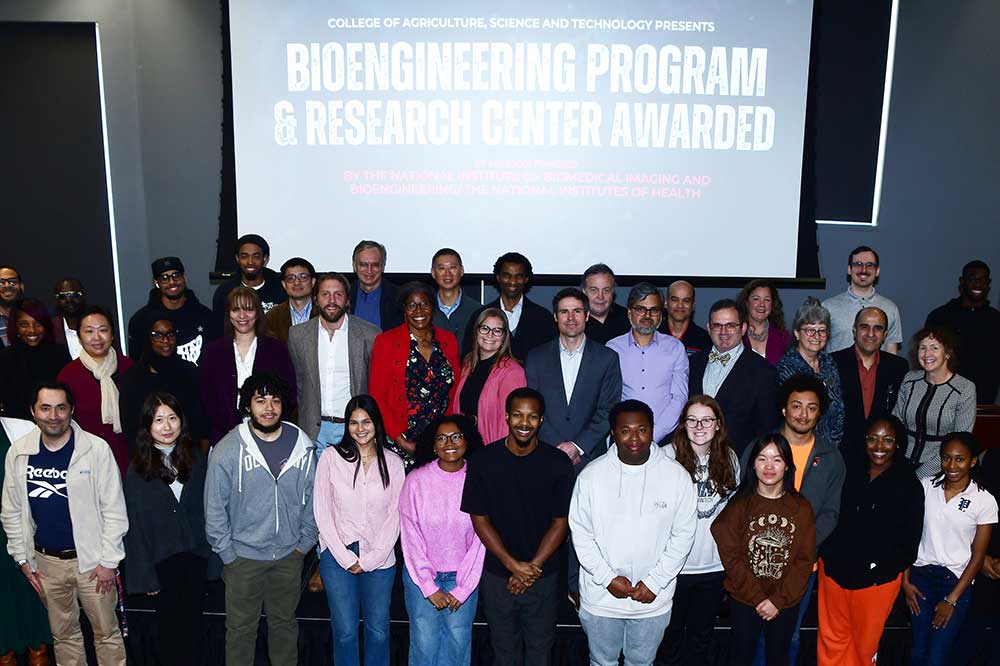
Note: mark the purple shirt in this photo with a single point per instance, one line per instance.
(657, 375)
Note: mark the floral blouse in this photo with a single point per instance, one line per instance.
(428, 385)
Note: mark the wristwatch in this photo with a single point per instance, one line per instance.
(21, 563)
(953, 604)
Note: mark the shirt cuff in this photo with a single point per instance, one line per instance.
(578, 449)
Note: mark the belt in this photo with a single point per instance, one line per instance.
(332, 419)
(58, 554)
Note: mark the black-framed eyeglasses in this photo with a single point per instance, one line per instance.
(704, 423)
(489, 331)
(10, 282)
(297, 277)
(417, 305)
(644, 311)
(176, 276)
(163, 335)
(66, 295)
(453, 437)
(729, 326)
(863, 264)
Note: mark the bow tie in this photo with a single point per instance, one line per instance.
(721, 358)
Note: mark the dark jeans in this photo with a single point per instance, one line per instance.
(522, 628)
(933, 647)
(179, 607)
(692, 620)
(747, 629)
(793, 650)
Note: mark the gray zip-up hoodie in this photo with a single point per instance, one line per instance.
(250, 513)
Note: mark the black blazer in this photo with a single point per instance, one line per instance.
(389, 310)
(888, 377)
(748, 396)
(584, 421)
(536, 327)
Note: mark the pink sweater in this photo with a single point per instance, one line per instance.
(437, 537)
(364, 511)
(506, 376)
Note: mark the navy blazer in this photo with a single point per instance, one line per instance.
(748, 396)
(388, 305)
(598, 387)
(888, 378)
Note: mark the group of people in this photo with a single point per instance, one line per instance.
(308, 417)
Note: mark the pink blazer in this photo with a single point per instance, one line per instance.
(506, 376)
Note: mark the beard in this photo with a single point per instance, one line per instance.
(645, 330)
(267, 429)
(337, 316)
(173, 297)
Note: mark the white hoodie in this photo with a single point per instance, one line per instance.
(636, 521)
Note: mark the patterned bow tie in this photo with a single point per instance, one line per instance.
(721, 358)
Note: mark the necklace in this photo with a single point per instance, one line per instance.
(782, 494)
(759, 337)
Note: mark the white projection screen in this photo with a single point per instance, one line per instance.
(662, 138)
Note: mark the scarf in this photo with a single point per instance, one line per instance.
(103, 371)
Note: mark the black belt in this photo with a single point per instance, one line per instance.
(332, 419)
(58, 554)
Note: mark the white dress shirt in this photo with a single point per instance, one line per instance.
(244, 366)
(334, 370)
(513, 316)
(716, 372)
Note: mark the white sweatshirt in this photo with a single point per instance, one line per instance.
(636, 521)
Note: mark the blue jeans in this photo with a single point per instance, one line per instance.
(793, 652)
(330, 434)
(439, 637)
(346, 594)
(932, 647)
(608, 637)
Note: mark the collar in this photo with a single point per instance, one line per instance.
(452, 307)
(635, 345)
(516, 308)
(878, 357)
(566, 352)
(861, 299)
(304, 311)
(734, 353)
(374, 293)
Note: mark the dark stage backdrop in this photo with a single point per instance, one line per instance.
(53, 188)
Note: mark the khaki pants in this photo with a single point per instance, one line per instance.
(62, 586)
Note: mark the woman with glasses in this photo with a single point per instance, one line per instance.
(94, 379)
(33, 357)
(356, 503)
(489, 374)
(934, 400)
(862, 561)
(443, 555)
(242, 351)
(701, 446)
(766, 333)
(160, 370)
(414, 370)
(811, 327)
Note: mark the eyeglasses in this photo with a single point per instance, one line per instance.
(645, 312)
(176, 276)
(728, 327)
(66, 295)
(10, 282)
(298, 277)
(704, 423)
(453, 437)
(863, 264)
(814, 332)
(489, 332)
(417, 305)
(163, 335)
(871, 439)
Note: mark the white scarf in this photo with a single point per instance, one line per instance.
(102, 371)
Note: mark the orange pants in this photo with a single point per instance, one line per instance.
(851, 621)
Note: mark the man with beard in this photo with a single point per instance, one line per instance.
(298, 277)
(654, 365)
(530, 324)
(819, 469)
(252, 255)
(977, 326)
(71, 299)
(65, 519)
(259, 519)
(331, 355)
(11, 291)
(170, 299)
(679, 321)
(518, 491)
(862, 276)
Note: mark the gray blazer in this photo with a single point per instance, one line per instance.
(303, 347)
(584, 420)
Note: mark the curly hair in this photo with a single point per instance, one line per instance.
(721, 474)
(777, 316)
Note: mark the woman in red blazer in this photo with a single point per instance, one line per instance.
(414, 369)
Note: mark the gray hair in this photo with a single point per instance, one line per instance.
(369, 245)
(811, 312)
(641, 291)
(597, 269)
